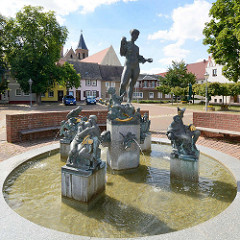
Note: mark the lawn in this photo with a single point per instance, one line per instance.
(201, 107)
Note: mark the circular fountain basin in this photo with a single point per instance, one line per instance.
(137, 203)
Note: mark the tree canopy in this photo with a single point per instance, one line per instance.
(176, 80)
(217, 89)
(69, 77)
(177, 76)
(222, 34)
(34, 42)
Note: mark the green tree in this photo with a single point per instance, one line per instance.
(178, 91)
(177, 76)
(222, 34)
(34, 43)
(3, 64)
(69, 77)
(234, 89)
(164, 89)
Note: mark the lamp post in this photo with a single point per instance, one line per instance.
(206, 75)
(30, 87)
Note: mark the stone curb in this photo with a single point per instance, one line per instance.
(224, 226)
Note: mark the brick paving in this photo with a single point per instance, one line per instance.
(161, 117)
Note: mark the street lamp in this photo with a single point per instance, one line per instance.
(206, 75)
(30, 87)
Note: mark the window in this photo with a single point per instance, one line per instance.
(137, 95)
(151, 95)
(88, 93)
(18, 92)
(26, 94)
(83, 55)
(153, 84)
(94, 82)
(159, 95)
(70, 93)
(42, 94)
(167, 95)
(145, 84)
(215, 100)
(220, 100)
(79, 56)
(94, 93)
(51, 94)
(88, 82)
(112, 84)
(107, 84)
(214, 72)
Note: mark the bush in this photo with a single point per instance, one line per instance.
(151, 101)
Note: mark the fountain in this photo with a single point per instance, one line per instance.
(137, 203)
(169, 189)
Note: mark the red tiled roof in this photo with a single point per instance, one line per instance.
(97, 57)
(162, 74)
(198, 69)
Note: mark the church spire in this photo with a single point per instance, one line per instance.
(81, 43)
(81, 51)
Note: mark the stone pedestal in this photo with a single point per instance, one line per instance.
(185, 170)
(64, 149)
(118, 156)
(83, 186)
(146, 146)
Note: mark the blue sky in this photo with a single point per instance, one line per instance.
(169, 29)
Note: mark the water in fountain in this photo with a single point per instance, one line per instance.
(137, 203)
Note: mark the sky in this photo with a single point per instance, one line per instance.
(170, 30)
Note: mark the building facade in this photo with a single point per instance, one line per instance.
(215, 75)
(145, 88)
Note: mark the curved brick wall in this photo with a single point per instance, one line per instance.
(17, 122)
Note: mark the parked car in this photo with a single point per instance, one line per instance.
(91, 100)
(69, 100)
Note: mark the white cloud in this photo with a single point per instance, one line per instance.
(188, 22)
(175, 50)
(61, 7)
(163, 15)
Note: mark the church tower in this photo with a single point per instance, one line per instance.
(81, 51)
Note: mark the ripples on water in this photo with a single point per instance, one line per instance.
(138, 203)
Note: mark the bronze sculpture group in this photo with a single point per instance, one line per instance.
(85, 136)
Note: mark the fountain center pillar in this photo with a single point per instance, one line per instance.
(123, 151)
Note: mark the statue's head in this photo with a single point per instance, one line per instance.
(181, 111)
(93, 117)
(134, 33)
